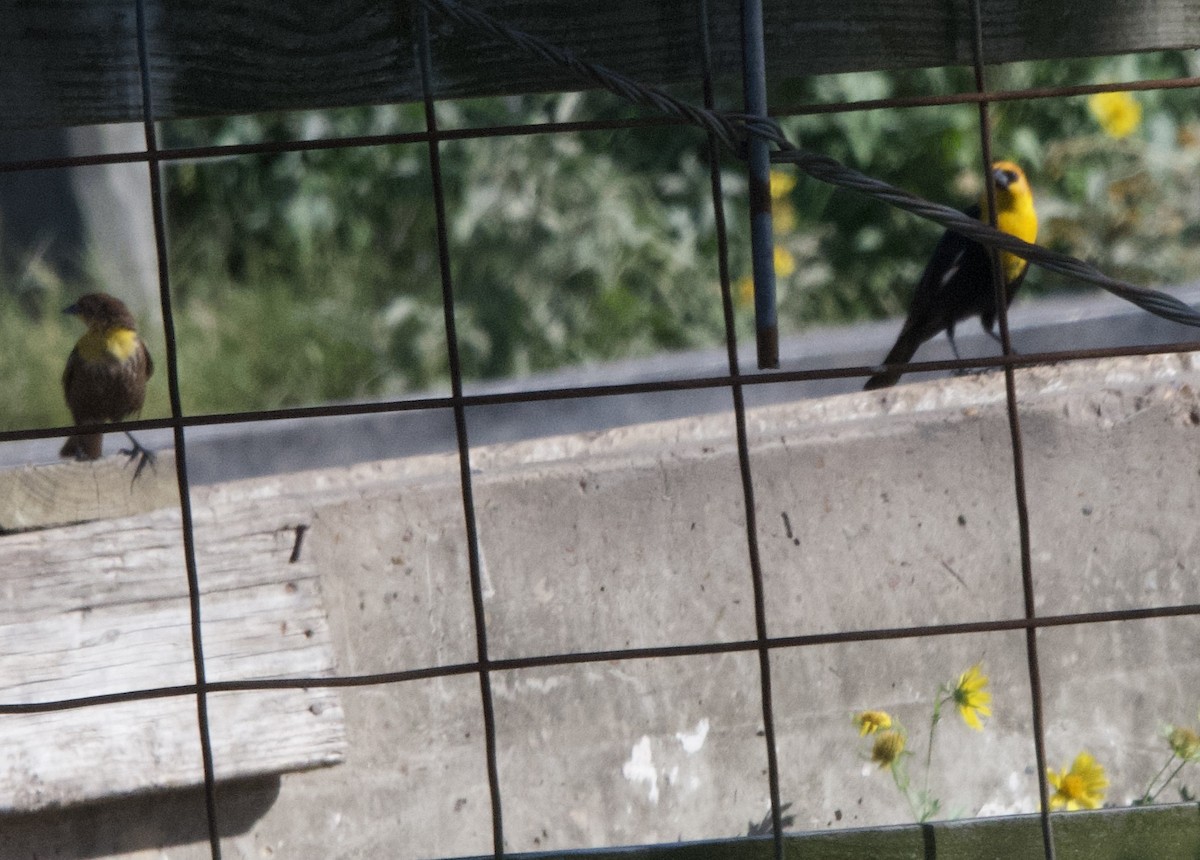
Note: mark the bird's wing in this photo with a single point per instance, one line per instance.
(69, 371)
(951, 252)
(952, 269)
(74, 361)
(149, 362)
(931, 308)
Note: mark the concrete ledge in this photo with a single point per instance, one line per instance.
(222, 453)
(899, 511)
(876, 510)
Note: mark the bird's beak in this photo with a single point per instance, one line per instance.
(1002, 178)
(71, 309)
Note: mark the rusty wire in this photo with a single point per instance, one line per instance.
(158, 214)
(733, 129)
(466, 482)
(730, 129)
(583, 658)
(1017, 446)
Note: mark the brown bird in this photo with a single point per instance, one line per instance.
(106, 375)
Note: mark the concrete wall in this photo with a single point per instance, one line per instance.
(874, 510)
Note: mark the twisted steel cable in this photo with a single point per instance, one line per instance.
(734, 129)
(832, 172)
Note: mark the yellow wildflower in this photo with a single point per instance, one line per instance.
(970, 697)
(784, 214)
(785, 263)
(889, 744)
(1119, 114)
(782, 183)
(1081, 787)
(869, 722)
(1184, 742)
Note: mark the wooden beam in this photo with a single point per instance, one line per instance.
(76, 64)
(102, 608)
(53, 494)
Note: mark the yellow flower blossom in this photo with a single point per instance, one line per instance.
(971, 697)
(785, 263)
(784, 215)
(1081, 787)
(782, 183)
(743, 287)
(889, 744)
(1185, 743)
(1119, 114)
(869, 722)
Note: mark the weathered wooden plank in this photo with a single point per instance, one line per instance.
(54, 494)
(72, 64)
(70, 757)
(102, 607)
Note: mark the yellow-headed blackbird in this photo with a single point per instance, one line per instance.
(957, 282)
(106, 374)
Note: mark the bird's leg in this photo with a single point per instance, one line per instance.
(958, 371)
(144, 455)
(953, 345)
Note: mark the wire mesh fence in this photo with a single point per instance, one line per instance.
(766, 656)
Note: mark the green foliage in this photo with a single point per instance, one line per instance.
(1128, 205)
(310, 276)
(37, 339)
(570, 248)
(31, 364)
(306, 277)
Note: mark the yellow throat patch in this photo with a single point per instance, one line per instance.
(1016, 216)
(115, 344)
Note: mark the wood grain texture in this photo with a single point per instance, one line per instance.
(53, 494)
(73, 64)
(102, 608)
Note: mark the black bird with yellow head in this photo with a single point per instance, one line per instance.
(957, 282)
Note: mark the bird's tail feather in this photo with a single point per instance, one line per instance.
(83, 447)
(905, 348)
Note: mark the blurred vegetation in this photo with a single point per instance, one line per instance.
(305, 277)
(1131, 205)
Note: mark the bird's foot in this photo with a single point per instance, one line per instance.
(143, 455)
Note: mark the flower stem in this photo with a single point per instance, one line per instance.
(940, 700)
(1149, 796)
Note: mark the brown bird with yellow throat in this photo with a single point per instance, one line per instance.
(106, 375)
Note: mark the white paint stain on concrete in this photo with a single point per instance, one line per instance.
(542, 592)
(640, 768)
(692, 741)
(509, 687)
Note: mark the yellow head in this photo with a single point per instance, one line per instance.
(1011, 188)
(1015, 213)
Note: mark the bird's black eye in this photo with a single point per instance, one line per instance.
(1004, 178)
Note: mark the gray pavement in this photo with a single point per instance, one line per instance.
(1084, 320)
